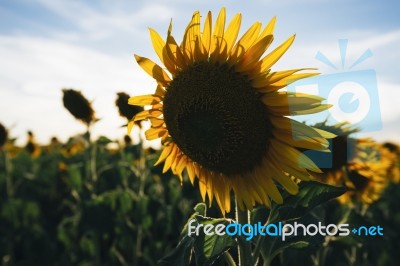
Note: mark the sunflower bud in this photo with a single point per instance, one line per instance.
(78, 106)
(31, 146)
(126, 110)
(3, 135)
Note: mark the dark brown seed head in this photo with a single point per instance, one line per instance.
(78, 106)
(216, 118)
(126, 110)
(3, 135)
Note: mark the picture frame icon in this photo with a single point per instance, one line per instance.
(353, 95)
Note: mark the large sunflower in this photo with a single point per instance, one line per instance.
(221, 115)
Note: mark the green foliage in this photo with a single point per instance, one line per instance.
(88, 204)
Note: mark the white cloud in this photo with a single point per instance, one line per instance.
(34, 70)
(98, 23)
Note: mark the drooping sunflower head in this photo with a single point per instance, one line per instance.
(3, 135)
(31, 146)
(78, 106)
(221, 115)
(126, 110)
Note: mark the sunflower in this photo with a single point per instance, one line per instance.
(342, 151)
(3, 135)
(222, 116)
(78, 106)
(357, 164)
(126, 110)
(31, 146)
(366, 174)
(391, 152)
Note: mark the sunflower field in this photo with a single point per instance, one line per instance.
(236, 181)
(84, 203)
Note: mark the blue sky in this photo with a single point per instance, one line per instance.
(46, 45)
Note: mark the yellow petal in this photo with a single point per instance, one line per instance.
(325, 134)
(269, 185)
(232, 32)
(164, 154)
(147, 114)
(294, 156)
(254, 53)
(159, 47)
(130, 126)
(191, 172)
(175, 52)
(274, 56)
(181, 165)
(202, 185)
(156, 122)
(191, 33)
(160, 91)
(170, 159)
(206, 37)
(217, 43)
(289, 185)
(278, 75)
(153, 70)
(269, 29)
(262, 84)
(284, 98)
(155, 133)
(143, 100)
(293, 110)
(300, 141)
(295, 171)
(244, 43)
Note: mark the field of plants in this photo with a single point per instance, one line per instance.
(97, 201)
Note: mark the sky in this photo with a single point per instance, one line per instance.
(48, 45)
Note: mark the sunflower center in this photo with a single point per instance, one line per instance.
(216, 118)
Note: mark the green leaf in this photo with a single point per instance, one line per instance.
(199, 209)
(310, 195)
(208, 248)
(181, 255)
(272, 246)
(75, 178)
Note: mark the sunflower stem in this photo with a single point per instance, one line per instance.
(229, 259)
(244, 246)
(8, 171)
(260, 241)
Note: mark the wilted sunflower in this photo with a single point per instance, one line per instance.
(78, 106)
(220, 114)
(3, 135)
(126, 110)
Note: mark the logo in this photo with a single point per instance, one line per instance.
(353, 95)
(249, 231)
